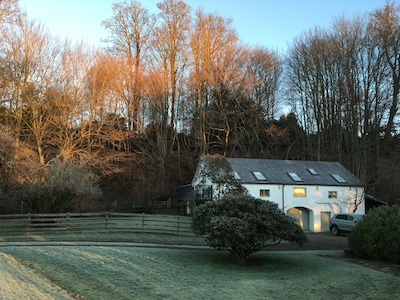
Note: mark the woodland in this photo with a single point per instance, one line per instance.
(121, 127)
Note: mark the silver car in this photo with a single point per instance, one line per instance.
(341, 223)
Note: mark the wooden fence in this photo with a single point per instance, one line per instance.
(95, 222)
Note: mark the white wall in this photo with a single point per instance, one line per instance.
(317, 200)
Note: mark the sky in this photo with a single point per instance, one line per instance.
(272, 24)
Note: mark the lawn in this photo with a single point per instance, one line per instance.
(123, 272)
(103, 237)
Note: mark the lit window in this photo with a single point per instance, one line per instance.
(299, 192)
(312, 171)
(264, 193)
(259, 175)
(295, 177)
(332, 194)
(338, 178)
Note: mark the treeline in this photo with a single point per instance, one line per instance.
(132, 116)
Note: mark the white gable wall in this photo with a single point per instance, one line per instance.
(315, 202)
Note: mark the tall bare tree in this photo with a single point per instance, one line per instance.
(32, 57)
(212, 36)
(340, 82)
(170, 44)
(263, 70)
(130, 29)
(385, 28)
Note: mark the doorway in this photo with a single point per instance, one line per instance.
(302, 215)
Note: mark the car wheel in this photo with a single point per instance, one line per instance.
(335, 230)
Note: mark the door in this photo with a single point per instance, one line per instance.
(325, 217)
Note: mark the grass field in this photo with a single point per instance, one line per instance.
(121, 272)
(104, 237)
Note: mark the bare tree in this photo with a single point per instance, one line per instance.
(211, 38)
(170, 42)
(87, 123)
(130, 32)
(10, 13)
(263, 69)
(385, 28)
(30, 64)
(338, 80)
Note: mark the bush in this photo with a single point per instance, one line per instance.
(377, 236)
(243, 225)
(59, 187)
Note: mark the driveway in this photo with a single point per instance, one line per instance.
(316, 241)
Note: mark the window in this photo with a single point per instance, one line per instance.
(338, 178)
(312, 171)
(299, 192)
(332, 194)
(295, 177)
(259, 175)
(264, 193)
(237, 176)
(341, 217)
(204, 193)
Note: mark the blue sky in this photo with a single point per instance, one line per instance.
(269, 23)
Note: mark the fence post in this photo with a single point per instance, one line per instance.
(106, 221)
(29, 220)
(142, 222)
(67, 221)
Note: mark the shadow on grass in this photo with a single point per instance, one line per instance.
(269, 261)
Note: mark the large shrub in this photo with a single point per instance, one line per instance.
(59, 187)
(243, 225)
(377, 236)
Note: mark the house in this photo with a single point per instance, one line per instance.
(310, 191)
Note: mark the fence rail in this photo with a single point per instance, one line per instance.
(95, 222)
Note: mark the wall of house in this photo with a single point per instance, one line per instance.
(315, 208)
(312, 210)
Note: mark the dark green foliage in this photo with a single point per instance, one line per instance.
(243, 224)
(377, 236)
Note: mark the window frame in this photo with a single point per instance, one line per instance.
(295, 177)
(296, 192)
(259, 176)
(332, 194)
(266, 191)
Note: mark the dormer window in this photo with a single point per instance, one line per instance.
(295, 177)
(259, 176)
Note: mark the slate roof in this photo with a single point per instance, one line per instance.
(277, 172)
